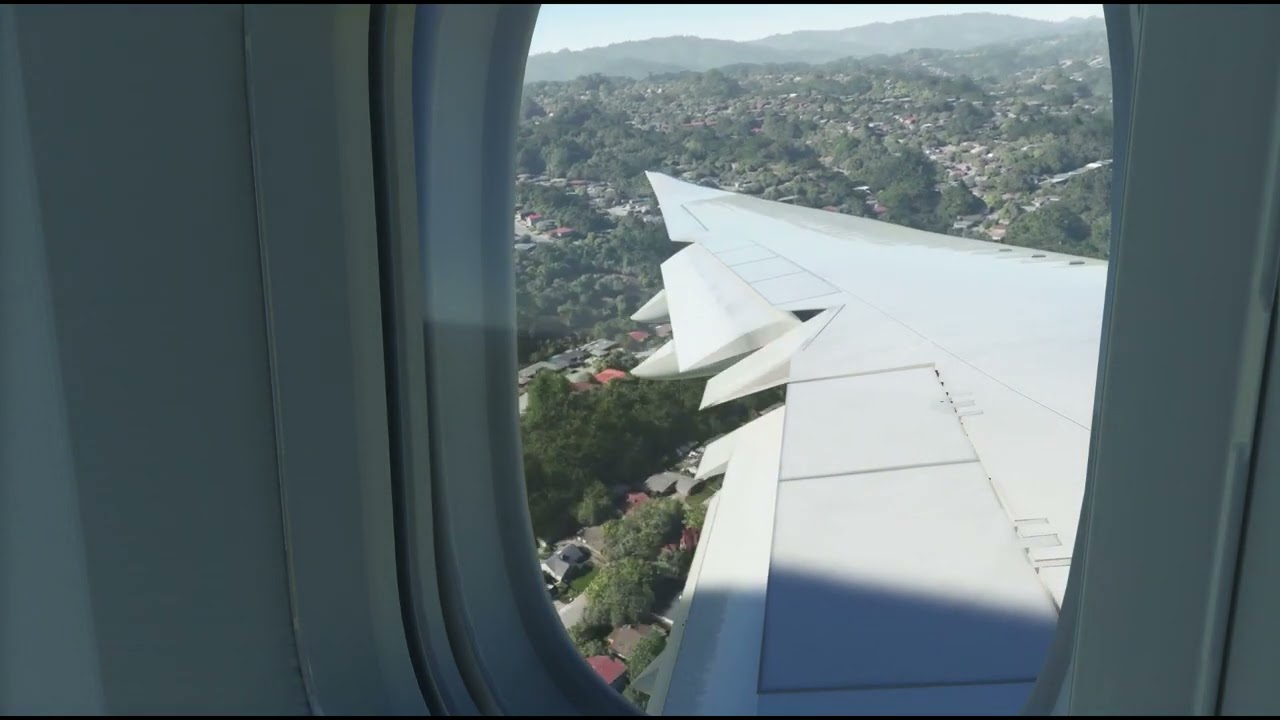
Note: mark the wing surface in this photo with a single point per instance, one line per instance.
(898, 540)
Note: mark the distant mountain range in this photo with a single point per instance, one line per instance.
(639, 58)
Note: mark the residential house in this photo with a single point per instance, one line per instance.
(604, 377)
(573, 357)
(565, 563)
(600, 348)
(562, 232)
(611, 670)
(635, 500)
(638, 335)
(526, 374)
(558, 362)
(624, 640)
(663, 482)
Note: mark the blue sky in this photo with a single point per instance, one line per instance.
(581, 26)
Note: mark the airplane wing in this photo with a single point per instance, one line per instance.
(897, 537)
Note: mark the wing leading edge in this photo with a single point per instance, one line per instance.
(901, 535)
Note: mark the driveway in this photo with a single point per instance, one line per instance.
(573, 613)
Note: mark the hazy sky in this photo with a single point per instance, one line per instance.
(582, 26)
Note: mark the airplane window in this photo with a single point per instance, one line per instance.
(808, 302)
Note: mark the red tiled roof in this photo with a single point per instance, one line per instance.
(638, 335)
(535, 216)
(604, 377)
(606, 667)
(636, 499)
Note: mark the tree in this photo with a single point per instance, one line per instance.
(637, 698)
(529, 109)
(957, 200)
(643, 532)
(588, 638)
(621, 592)
(912, 203)
(529, 160)
(1054, 226)
(645, 652)
(674, 562)
(1100, 234)
(619, 359)
(695, 513)
(643, 655)
(594, 506)
(1015, 182)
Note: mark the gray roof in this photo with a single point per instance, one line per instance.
(564, 559)
(557, 565)
(573, 357)
(535, 368)
(573, 554)
(600, 347)
(662, 482)
(687, 484)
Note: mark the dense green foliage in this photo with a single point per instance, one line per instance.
(643, 531)
(587, 288)
(695, 513)
(595, 505)
(642, 655)
(645, 651)
(617, 435)
(588, 638)
(621, 593)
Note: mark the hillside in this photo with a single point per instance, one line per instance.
(640, 58)
(942, 32)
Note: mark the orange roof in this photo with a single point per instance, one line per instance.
(604, 377)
